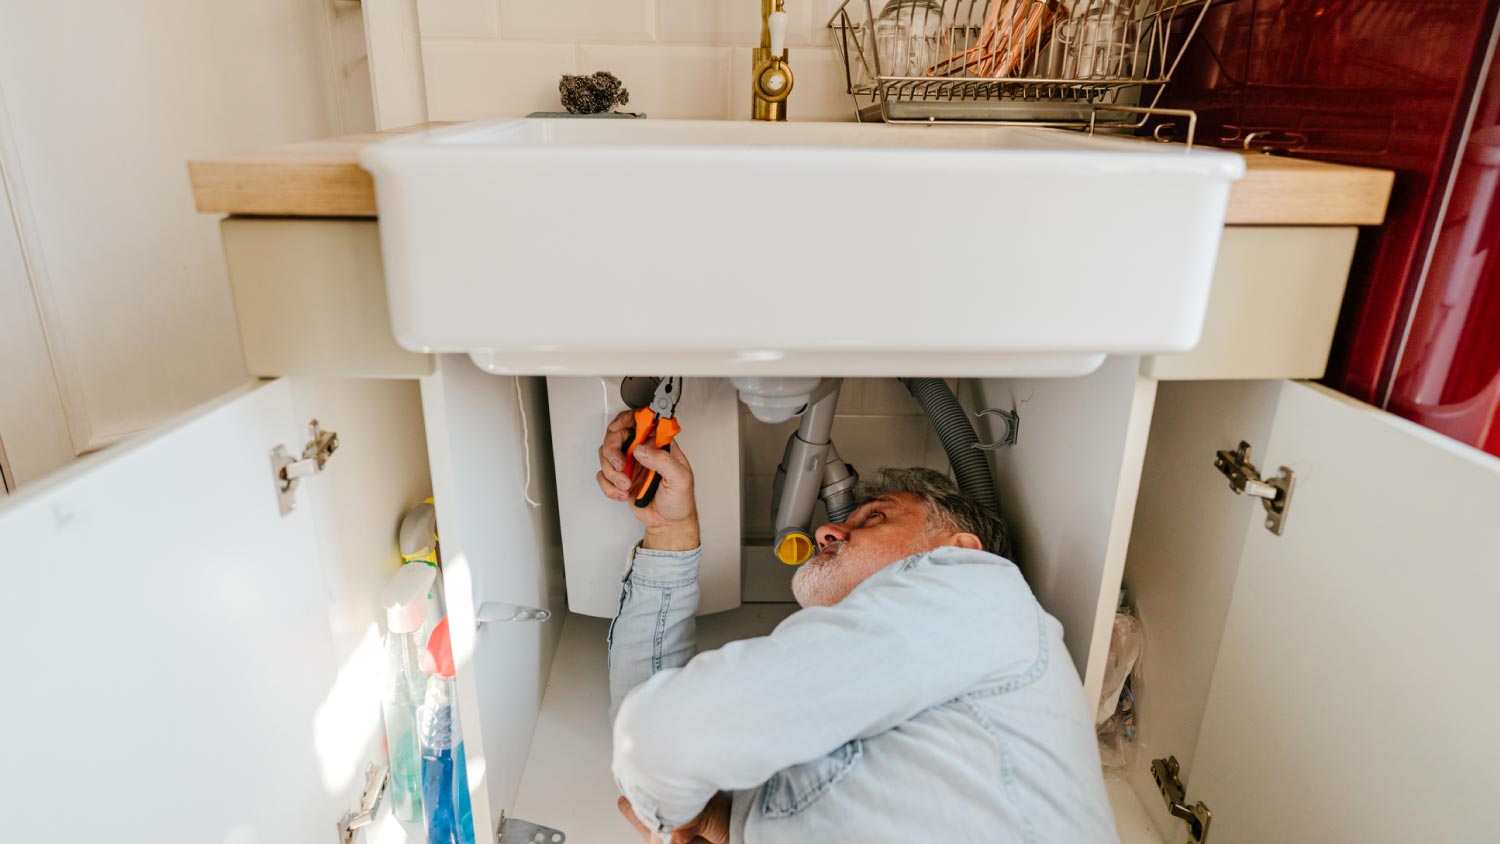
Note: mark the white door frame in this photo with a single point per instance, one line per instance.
(393, 41)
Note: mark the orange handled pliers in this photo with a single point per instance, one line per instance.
(655, 424)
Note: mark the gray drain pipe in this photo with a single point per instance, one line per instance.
(971, 468)
(810, 469)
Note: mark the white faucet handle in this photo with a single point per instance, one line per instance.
(777, 24)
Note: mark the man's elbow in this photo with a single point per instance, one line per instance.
(654, 740)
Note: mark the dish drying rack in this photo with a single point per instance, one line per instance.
(1060, 63)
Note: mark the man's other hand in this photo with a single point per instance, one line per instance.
(710, 827)
(671, 519)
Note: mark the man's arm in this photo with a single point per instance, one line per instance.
(912, 636)
(654, 628)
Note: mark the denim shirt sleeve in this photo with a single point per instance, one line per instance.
(654, 628)
(914, 635)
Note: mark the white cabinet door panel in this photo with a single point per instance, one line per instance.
(1068, 490)
(191, 665)
(1355, 690)
(496, 547)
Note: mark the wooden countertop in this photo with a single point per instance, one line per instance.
(323, 179)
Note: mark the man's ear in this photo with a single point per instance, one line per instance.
(966, 540)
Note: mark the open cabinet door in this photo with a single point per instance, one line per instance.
(1354, 693)
(187, 664)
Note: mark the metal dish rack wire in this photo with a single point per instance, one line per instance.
(1063, 63)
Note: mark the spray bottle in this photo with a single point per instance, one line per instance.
(405, 600)
(445, 780)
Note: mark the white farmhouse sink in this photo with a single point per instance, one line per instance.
(723, 248)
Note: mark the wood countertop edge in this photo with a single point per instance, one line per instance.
(323, 179)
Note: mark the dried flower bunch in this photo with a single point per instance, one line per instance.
(592, 94)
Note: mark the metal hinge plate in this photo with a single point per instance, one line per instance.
(1197, 816)
(287, 472)
(517, 831)
(1244, 479)
(369, 803)
(496, 612)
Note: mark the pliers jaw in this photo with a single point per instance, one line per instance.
(664, 400)
(655, 424)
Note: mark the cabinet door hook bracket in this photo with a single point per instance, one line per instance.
(494, 612)
(517, 831)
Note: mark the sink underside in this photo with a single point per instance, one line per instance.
(716, 247)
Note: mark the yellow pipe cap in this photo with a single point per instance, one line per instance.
(795, 549)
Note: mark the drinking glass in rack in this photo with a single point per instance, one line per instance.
(908, 35)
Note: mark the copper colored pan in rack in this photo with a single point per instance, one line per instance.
(1012, 30)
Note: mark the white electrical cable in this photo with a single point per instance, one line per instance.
(604, 391)
(526, 444)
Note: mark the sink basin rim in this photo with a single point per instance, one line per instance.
(856, 143)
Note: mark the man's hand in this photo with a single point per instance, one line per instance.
(671, 519)
(710, 827)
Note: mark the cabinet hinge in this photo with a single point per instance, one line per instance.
(1197, 816)
(1244, 479)
(517, 831)
(369, 803)
(286, 473)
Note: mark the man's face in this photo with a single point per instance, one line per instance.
(885, 529)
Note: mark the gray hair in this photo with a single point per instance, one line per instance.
(948, 508)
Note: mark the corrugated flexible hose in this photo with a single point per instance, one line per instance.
(971, 469)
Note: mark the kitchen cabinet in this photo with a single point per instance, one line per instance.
(217, 662)
(1312, 683)
(221, 656)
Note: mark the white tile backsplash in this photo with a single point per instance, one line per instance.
(874, 442)
(761, 444)
(468, 80)
(733, 23)
(851, 393)
(755, 507)
(678, 58)
(824, 10)
(666, 82)
(888, 397)
(459, 18)
(572, 20)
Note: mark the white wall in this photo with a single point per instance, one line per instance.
(678, 58)
(100, 109)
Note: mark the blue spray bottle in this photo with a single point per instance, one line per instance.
(445, 781)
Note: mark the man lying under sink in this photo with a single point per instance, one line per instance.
(920, 695)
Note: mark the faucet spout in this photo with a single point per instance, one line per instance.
(771, 75)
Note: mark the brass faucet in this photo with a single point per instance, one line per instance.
(770, 76)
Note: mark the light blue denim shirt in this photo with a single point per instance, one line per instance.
(935, 704)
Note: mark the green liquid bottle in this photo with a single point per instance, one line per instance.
(405, 599)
